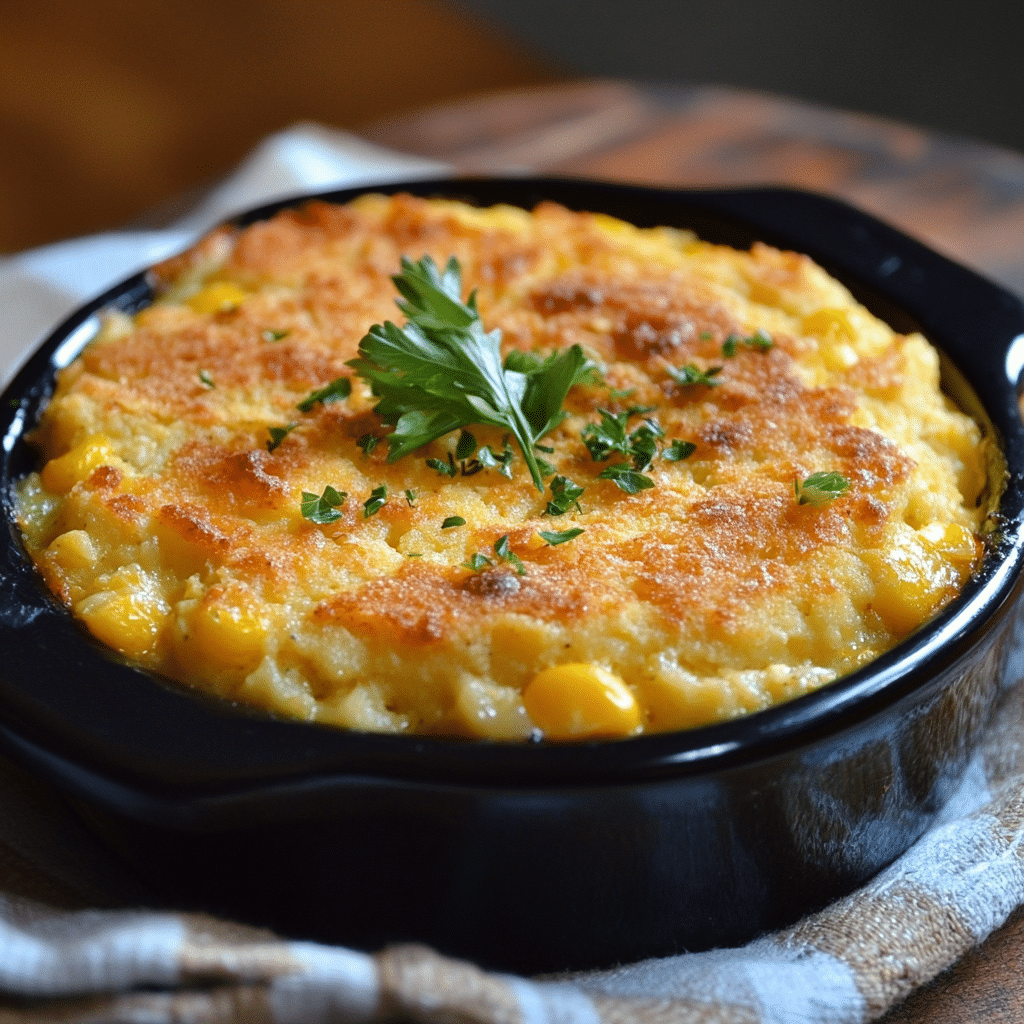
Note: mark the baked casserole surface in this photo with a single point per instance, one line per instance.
(442, 591)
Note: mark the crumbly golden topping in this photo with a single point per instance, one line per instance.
(168, 514)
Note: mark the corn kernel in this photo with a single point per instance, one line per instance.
(579, 701)
(128, 622)
(217, 297)
(226, 636)
(72, 551)
(59, 475)
(953, 542)
(829, 324)
(910, 582)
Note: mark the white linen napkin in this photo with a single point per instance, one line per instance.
(38, 288)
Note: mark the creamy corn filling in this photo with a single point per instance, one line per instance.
(442, 594)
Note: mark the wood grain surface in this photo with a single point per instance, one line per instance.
(963, 198)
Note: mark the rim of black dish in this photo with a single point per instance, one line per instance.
(74, 708)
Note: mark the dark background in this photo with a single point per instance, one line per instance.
(109, 108)
(946, 64)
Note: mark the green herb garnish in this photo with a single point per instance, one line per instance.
(626, 478)
(368, 442)
(340, 387)
(564, 496)
(760, 341)
(678, 450)
(443, 371)
(690, 374)
(205, 377)
(442, 467)
(272, 335)
(476, 562)
(278, 434)
(502, 463)
(323, 509)
(820, 488)
(410, 498)
(376, 501)
(453, 521)
(560, 536)
(506, 554)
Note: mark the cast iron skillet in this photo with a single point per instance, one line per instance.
(542, 857)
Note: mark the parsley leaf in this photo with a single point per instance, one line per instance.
(453, 521)
(376, 501)
(477, 562)
(820, 488)
(564, 496)
(368, 442)
(278, 434)
(560, 536)
(626, 478)
(760, 341)
(410, 498)
(272, 335)
(322, 509)
(678, 450)
(506, 554)
(690, 374)
(205, 377)
(340, 387)
(442, 467)
(443, 371)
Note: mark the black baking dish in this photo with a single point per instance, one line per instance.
(542, 857)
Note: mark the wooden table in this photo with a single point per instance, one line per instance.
(963, 198)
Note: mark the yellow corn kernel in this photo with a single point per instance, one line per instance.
(72, 551)
(910, 583)
(217, 297)
(579, 701)
(829, 324)
(226, 636)
(128, 622)
(59, 475)
(951, 541)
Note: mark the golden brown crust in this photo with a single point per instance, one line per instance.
(382, 618)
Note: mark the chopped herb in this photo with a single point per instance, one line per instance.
(678, 450)
(503, 462)
(760, 341)
(340, 387)
(272, 335)
(564, 496)
(506, 554)
(414, 554)
(609, 437)
(560, 537)
(453, 521)
(443, 371)
(206, 379)
(410, 498)
(626, 478)
(546, 449)
(442, 467)
(465, 446)
(690, 374)
(820, 488)
(278, 434)
(376, 501)
(477, 562)
(368, 442)
(323, 509)
(546, 468)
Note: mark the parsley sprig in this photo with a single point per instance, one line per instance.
(820, 488)
(443, 371)
(640, 446)
(323, 509)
